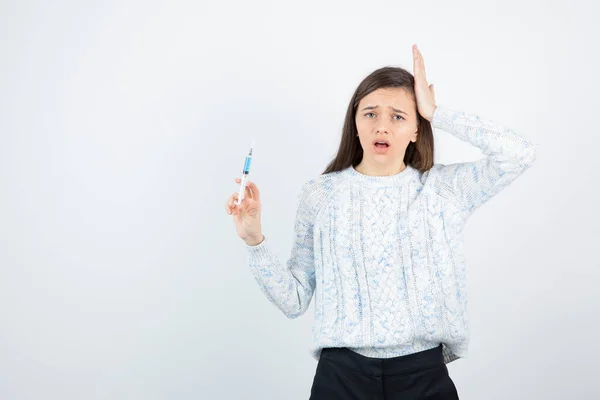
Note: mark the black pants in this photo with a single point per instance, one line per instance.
(345, 375)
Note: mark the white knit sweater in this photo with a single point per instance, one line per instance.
(383, 255)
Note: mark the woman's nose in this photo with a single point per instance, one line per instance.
(382, 129)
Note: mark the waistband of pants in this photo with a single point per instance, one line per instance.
(384, 366)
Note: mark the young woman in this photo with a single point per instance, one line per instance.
(378, 241)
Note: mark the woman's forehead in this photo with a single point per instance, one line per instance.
(388, 97)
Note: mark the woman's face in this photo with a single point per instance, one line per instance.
(389, 116)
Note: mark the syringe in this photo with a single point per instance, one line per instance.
(245, 174)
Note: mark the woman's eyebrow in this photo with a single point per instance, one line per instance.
(369, 108)
(394, 109)
(399, 111)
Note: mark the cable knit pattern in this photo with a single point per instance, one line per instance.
(383, 255)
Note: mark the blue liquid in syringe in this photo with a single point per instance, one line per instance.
(247, 163)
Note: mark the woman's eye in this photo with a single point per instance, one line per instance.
(368, 115)
(399, 117)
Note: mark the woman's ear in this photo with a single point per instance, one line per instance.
(415, 136)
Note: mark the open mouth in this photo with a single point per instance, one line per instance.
(381, 146)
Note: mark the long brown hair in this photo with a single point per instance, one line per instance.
(418, 155)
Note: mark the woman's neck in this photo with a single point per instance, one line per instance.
(366, 168)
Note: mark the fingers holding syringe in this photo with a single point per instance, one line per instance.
(251, 190)
(230, 205)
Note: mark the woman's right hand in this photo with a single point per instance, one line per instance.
(247, 215)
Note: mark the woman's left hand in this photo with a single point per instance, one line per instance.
(423, 91)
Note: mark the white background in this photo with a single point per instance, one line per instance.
(123, 125)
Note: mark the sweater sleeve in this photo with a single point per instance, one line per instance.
(507, 155)
(289, 286)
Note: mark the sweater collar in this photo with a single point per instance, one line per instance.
(381, 181)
